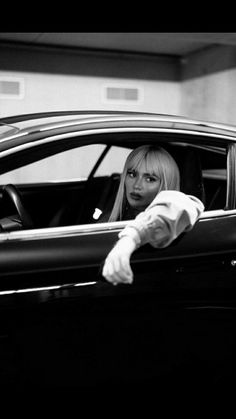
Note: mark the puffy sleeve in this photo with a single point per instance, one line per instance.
(170, 214)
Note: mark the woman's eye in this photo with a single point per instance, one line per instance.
(151, 179)
(131, 174)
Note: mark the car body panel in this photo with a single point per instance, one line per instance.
(79, 248)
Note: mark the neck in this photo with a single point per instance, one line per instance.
(130, 213)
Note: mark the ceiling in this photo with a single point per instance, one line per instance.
(173, 43)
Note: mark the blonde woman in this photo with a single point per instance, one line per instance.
(148, 195)
(148, 170)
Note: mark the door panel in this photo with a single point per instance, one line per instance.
(191, 259)
(174, 325)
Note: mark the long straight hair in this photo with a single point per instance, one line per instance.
(158, 162)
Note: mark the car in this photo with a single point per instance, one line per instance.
(62, 324)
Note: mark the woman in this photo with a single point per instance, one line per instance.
(148, 195)
(147, 171)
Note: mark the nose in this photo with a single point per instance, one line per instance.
(138, 183)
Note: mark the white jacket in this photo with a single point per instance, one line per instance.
(170, 214)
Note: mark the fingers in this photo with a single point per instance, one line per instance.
(117, 270)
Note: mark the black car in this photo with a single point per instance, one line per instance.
(62, 324)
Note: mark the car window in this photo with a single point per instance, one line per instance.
(113, 162)
(76, 201)
(69, 165)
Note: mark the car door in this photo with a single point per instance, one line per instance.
(63, 325)
(67, 326)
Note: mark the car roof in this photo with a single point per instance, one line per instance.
(26, 125)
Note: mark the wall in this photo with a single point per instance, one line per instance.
(202, 85)
(47, 92)
(208, 86)
(67, 79)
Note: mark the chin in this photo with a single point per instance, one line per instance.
(138, 208)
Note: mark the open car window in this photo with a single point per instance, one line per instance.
(75, 186)
(69, 165)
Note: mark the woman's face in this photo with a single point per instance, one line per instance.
(141, 187)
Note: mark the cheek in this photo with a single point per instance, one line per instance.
(128, 183)
(152, 191)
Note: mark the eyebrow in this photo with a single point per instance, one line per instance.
(151, 175)
(145, 173)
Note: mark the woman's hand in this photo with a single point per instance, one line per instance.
(117, 268)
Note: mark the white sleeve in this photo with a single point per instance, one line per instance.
(169, 214)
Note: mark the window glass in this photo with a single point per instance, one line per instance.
(113, 162)
(68, 165)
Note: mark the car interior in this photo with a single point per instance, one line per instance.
(30, 205)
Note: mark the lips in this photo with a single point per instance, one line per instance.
(135, 196)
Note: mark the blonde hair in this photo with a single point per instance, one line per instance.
(158, 162)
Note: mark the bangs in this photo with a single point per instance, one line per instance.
(148, 161)
(152, 160)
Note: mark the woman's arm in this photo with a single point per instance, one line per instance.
(170, 214)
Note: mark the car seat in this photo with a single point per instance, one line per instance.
(191, 175)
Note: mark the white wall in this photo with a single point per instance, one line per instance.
(47, 92)
(208, 88)
(211, 97)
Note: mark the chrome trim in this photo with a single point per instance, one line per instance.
(103, 116)
(68, 231)
(32, 144)
(86, 229)
(50, 288)
(216, 214)
(105, 119)
(20, 134)
(112, 116)
(128, 118)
